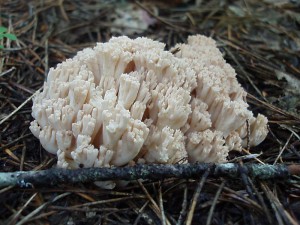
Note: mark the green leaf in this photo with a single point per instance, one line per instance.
(10, 36)
(1, 46)
(3, 29)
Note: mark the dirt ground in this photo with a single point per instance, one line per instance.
(260, 39)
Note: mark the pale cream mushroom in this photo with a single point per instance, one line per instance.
(129, 101)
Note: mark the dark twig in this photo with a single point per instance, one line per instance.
(154, 172)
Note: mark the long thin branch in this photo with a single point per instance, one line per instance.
(153, 172)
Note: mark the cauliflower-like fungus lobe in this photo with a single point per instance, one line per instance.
(130, 101)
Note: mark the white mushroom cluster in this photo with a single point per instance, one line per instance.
(130, 101)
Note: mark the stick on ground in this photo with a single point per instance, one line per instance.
(153, 172)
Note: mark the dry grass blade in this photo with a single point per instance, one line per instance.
(106, 201)
(18, 108)
(283, 148)
(261, 201)
(5, 189)
(141, 213)
(213, 205)
(275, 109)
(161, 205)
(281, 214)
(40, 208)
(154, 205)
(7, 71)
(183, 207)
(195, 198)
(159, 18)
(18, 213)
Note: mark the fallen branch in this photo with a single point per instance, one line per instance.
(56, 176)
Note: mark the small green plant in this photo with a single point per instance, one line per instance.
(4, 34)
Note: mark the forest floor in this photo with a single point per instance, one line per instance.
(260, 39)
